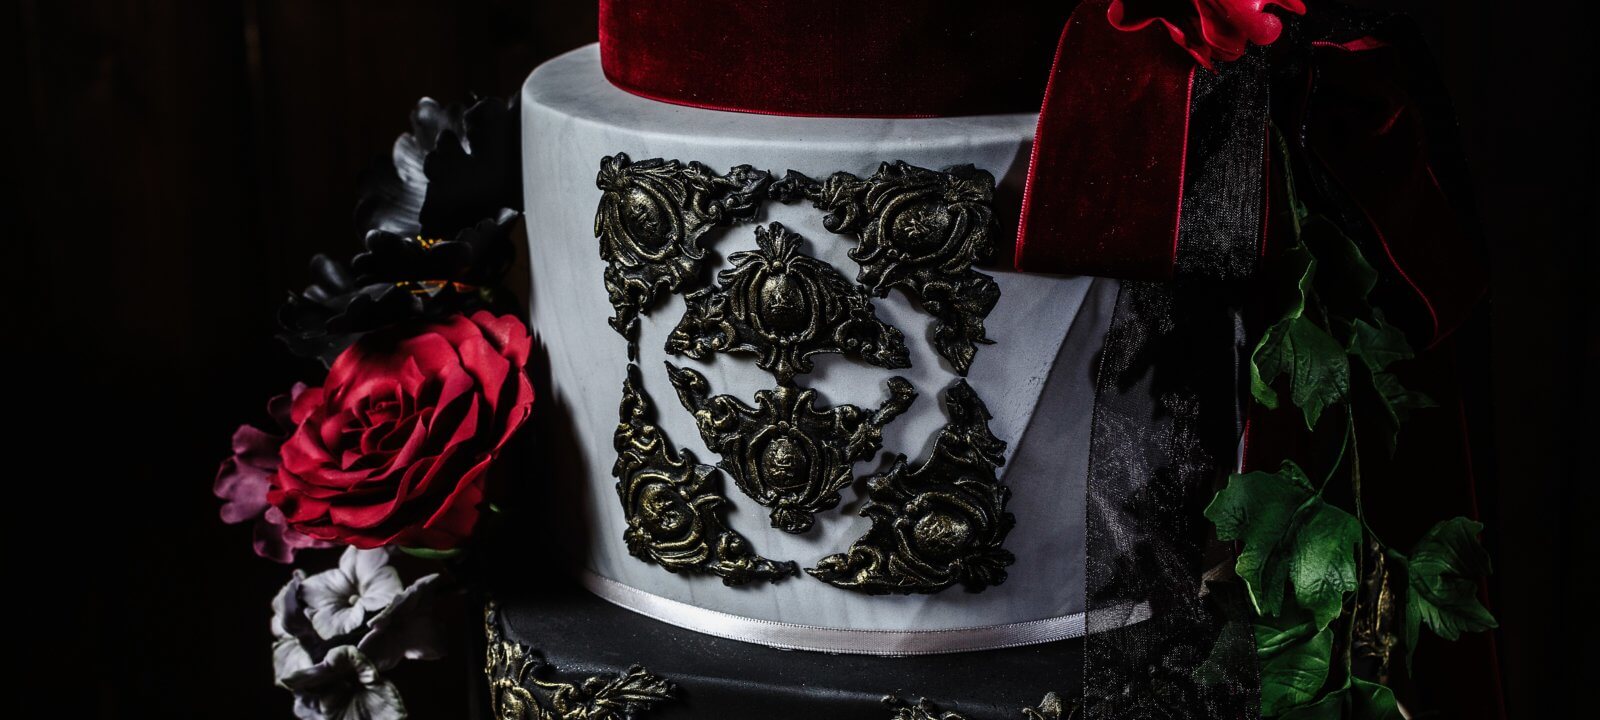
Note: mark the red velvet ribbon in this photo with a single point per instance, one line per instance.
(1105, 184)
(833, 58)
(1111, 156)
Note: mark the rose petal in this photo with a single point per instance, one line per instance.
(305, 404)
(486, 366)
(243, 489)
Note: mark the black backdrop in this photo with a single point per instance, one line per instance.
(173, 165)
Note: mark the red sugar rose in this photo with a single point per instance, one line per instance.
(397, 445)
(1208, 29)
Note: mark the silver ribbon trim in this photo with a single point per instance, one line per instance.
(889, 643)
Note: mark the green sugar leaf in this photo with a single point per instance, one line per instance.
(1344, 277)
(1443, 574)
(1288, 534)
(1371, 701)
(1330, 707)
(1316, 366)
(1295, 657)
(431, 554)
(1323, 566)
(1379, 344)
(1358, 700)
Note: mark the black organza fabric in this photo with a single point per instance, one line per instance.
(1166, 423)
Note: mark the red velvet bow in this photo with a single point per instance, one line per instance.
(1122, 135)
(1146, 165)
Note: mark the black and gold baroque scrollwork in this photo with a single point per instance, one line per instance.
(921, 231)
(1050, 708)
(938, 524)
(517, 692)
(651, 217)
(785, 307)
(785, 453)
(673, 510)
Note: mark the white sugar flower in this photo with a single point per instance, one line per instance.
(344, 686)
(369, 625)
(340, 600)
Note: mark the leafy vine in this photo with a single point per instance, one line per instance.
(1320, 579)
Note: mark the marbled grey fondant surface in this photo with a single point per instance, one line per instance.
(1036, 380)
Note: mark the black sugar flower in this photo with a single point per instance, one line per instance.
(439, 217)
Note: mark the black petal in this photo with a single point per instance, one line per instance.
(474, 170)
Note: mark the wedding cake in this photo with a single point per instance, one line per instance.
(805, 403)
(904, 360)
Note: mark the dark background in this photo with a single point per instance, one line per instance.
(174, 165)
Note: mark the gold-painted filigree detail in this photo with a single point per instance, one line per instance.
(516, 692)
(938, 524)
(785, 306)
(651, 217)
(923, 709)
(673, 510)
(1376, 615)
(786, 453)
(1051, 708)
(921, 231)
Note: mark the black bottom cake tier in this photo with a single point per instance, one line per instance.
(571, 655)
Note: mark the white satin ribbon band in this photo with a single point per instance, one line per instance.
(788, 636)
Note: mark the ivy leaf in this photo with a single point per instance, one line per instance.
(1358, 700)
(1379, 344)
(1319, 372)
(1344, 277)
(1288, 533)
(1295, 262)
(1323, 567)
(1328, 708)
(1442, 588)
(1371, 701)
(1258, 509)
(1295, 657)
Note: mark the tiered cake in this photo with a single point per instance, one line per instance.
(900, 431)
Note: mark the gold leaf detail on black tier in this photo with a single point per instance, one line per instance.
(921, 231)
(651, 217)
(1050, 708)
(938, 524)
(785, 453)
(516, 692)
(674, 513)
(785, 306)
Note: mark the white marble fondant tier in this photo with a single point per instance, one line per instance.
(1037, 379)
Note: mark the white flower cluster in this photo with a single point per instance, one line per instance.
(338, 631)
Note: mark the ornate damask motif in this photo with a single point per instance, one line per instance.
(517, 693)
(652, 215)
(1050, 708)
(920, 231)
(785, 306)
(785, 453)
(938, 524)
(674, 514)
